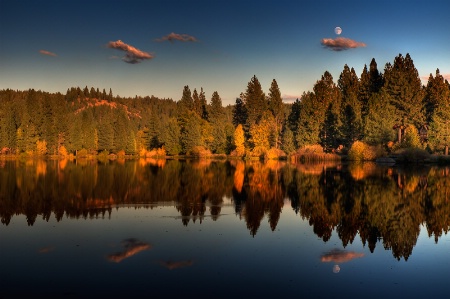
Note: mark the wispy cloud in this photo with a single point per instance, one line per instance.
(340, 256)
(131, 247)
(132, 54)
(341, 43)
(48, 53)
(288, 98)
(177, 37)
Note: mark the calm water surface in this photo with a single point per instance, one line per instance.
(223, 230)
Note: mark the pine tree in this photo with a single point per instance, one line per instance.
(438, 109)
(203, 104)
(154, 131)
(217, 120)
(350, 116)
(172, 137)
(197, 105)
(293, 118)
(190, 132)
(309, 121)
(436, 93)
(329, 133)
(239, 113)
(277, 109)
(378, 125)
(364, 92)
(288, 145)
(255, 102)
(105, 128)
(403, 85)
(186, 103)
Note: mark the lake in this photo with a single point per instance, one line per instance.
(223, 229)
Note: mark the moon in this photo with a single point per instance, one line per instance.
(338, 30)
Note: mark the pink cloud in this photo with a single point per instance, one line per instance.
(341, 43)
(131, 248)
(426, 78)
(44, 52)
(340, 256)
(132, 54)
(177, 37)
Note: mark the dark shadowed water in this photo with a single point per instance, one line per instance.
(167, 229)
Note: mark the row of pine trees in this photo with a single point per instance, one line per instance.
(376, 108)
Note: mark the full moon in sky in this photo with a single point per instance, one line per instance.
(338, 30)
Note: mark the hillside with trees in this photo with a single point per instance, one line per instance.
(380, 109)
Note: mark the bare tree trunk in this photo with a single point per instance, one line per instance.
(399, 134)
(446, 150)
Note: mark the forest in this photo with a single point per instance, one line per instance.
(386, 110)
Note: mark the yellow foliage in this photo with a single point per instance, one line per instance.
(200, 151)
(63, 151)
(239, 140)
(360, 171)
(275, 153)
(82, 153)
(41, 168)
(121, 154)
(159, 153)
(41, 147)
(360, 151)
(239, 175)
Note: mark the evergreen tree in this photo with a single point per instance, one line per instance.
(436, 93)
(105, 128)
(288, 145)
(378, 128)
(255, 102)
(121, 131)
(351, 120)
(186, 102)
(203, 104)
(438, 108)
(197, 105)
(239, 113)
(329, 134)
(154, 131)
(110, 95)
(293, 119)
(364, 92)
(403, 86)
(375, 77)
(277, 109)
(190, 132)
(172, 137)
(309, 121)
(89, 134)
(217, 120)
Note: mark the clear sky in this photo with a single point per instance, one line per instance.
(156, 47)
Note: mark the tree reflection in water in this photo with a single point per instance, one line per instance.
(384, 205)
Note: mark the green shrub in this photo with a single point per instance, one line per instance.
(412, 154)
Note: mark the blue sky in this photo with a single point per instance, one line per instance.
(53, 45)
